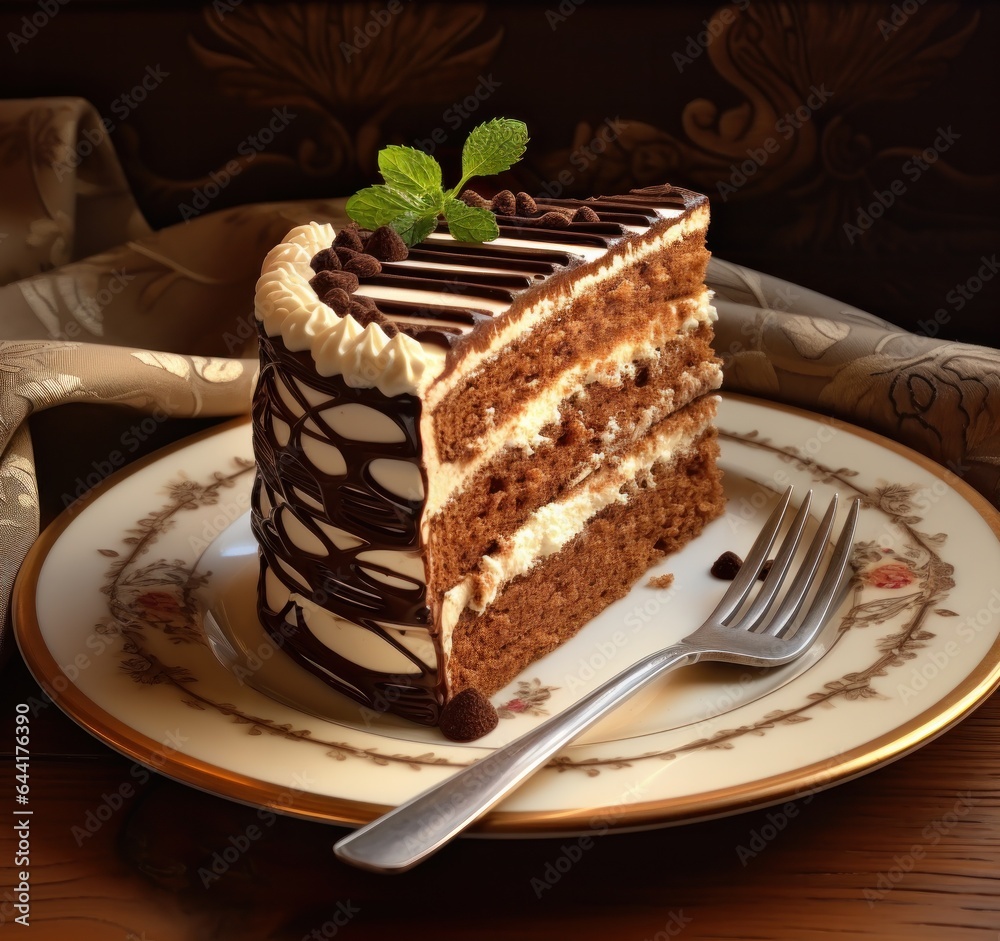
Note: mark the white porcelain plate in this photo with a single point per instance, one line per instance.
(135, 611)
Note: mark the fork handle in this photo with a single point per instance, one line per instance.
(414, 830)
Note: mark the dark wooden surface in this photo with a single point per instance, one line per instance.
(909, 851)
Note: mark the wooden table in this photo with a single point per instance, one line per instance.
(909, 851)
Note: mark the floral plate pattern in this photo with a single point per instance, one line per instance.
(135, 613)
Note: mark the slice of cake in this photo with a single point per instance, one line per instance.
(466, 451)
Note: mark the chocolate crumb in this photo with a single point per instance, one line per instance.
(553, 220)
(336, 298)
(325, 260)
(765, 568)
(386, 245)
(525, 205)
(726, 566)
(325, 281)
(662, 581)
(504, 203)
(472, 198)
(348, 238)
(363, 265)
(586, 214)
(468, 716)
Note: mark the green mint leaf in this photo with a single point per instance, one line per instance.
(410, 170)
(492, 148)
(470, 223)
(413, 228)
(380, 205)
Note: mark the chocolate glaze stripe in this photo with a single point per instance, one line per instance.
(630, 215)
(512, 280)
(483, 261)
(569, 235)
(492, 250)
(444, 286)
(465, 316)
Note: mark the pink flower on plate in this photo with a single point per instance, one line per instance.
(158, 601)
(516, 705)
(890, 575)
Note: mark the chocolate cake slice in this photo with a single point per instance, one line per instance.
(466, 451)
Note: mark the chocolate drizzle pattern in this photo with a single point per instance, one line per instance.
(335, 578)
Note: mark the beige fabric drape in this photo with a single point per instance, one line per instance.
(96, 307)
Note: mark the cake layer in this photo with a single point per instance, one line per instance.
(535, 358)
(538, 611)
(514, 485)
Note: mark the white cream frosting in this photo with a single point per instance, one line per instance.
(288, 307)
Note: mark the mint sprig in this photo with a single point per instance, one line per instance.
(413, 198)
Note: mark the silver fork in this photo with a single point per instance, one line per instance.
(410, 833)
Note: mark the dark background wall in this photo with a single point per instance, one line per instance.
(848, 147)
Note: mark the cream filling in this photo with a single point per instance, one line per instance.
(552, 526)
(522, 431)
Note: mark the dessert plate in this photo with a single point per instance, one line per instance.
(135, 612)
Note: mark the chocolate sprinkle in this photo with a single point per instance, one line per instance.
(553, 220)
(504, 203)
(727, 565)
(348, 238)
(364, 266)
(472, 198)
(325, 260)
(386, 245)
(525, 204)
(336, 298)
(326, 281)
(468, 716)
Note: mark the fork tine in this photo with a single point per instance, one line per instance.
(804, 578)
(832, 582)
(779, 568)
(750, 569)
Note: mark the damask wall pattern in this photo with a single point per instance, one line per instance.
(847, 147)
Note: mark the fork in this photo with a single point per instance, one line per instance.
(761, 637)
